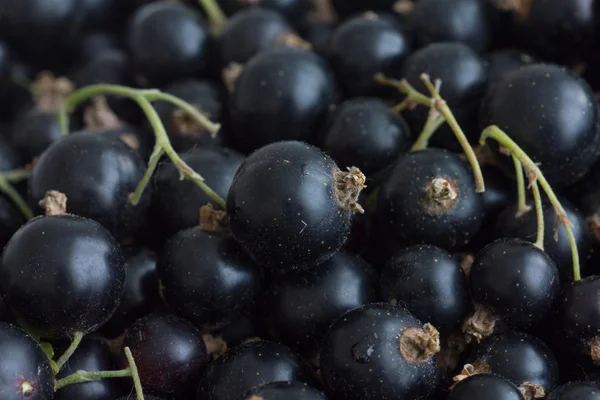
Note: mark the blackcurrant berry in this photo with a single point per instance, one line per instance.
(169, 354)
(293, 10)
(185, 133)
(97, 173)
(429, 198)
(167, 41)
(430, 283)
(518, 357)
(25, 372)
(248, 366)
(248, 33)
(363, 46)
(504, 61)
(93, 354)
(464, 82)
(284, 391)
(96, 43)
(140, 295)
(552, 115)
(462, 21)
(485, 387)
(207, 278)
(365, 134)
(379, 351)
(576, 391)
(291, 207)
(515, 282)
(62, 274)
(33, 132)
(338, 285)
(282, 94)
(513, 224)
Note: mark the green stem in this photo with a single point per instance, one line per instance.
(9, 191)
(433, 123)
(442, 107)
(413, 95)
(162, 139)
(539, 211)
(521, 197)
(77, 336)
(498, 135)
(157, 153)
(134, 374)
(216, 16)
(85, 376)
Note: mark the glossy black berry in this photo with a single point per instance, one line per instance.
(61, 275)
(169, 354)
(485, 387)
(504, 61)
(576, 391)
(464, 82)
(429, 198)
(176, 204)
(93, 354)
(378, 351)
(167, 41)
(282, 94)
(363, 46)
(516, 280)
(579, 314)
(511, 224)
(284, 391)
(184, 133)
(207, 278)
(33, 132)
(518, 357)
(140, 295)
(365, 134)
(462, 21)
(97, 173)
(302, 305)
(25, 372)
(291, 207)
(430, 283)
(293, 10)
(552, 115)
(248, 33)
(248, 366)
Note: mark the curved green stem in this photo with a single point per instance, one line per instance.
(216, 16)
(134, 374)
(85, 376)
(442, 107)
(433, 123)
(9, 191)
(163, 144)
(501, 137)
(77, 336)
(521, 197)
(414, 97)
(539, 211)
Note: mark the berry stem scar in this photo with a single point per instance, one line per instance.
(163, 145)
(501, 137)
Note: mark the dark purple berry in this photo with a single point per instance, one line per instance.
(485, 387)
(576, 391)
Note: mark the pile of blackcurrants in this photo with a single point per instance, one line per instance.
(299, 200)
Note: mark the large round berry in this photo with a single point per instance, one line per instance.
(97, 173)
(430, 283)
(25, 372)
(169, 354)
(284, 390)
(282, 94)
(324, 293)
(552, 115)
(207, 278)
(429, 198)
(61, 275)
(485, 387)
(167, 41)
(379, 351)
(290, 205)
(576, 391)
(248, 366)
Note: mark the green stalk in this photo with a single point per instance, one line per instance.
(15, 197)
(134, 374)
(216, 16)
(539, 211)
(521, 197)
(501, 137)
(85, 376)
(433, 123)
(77, 336)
